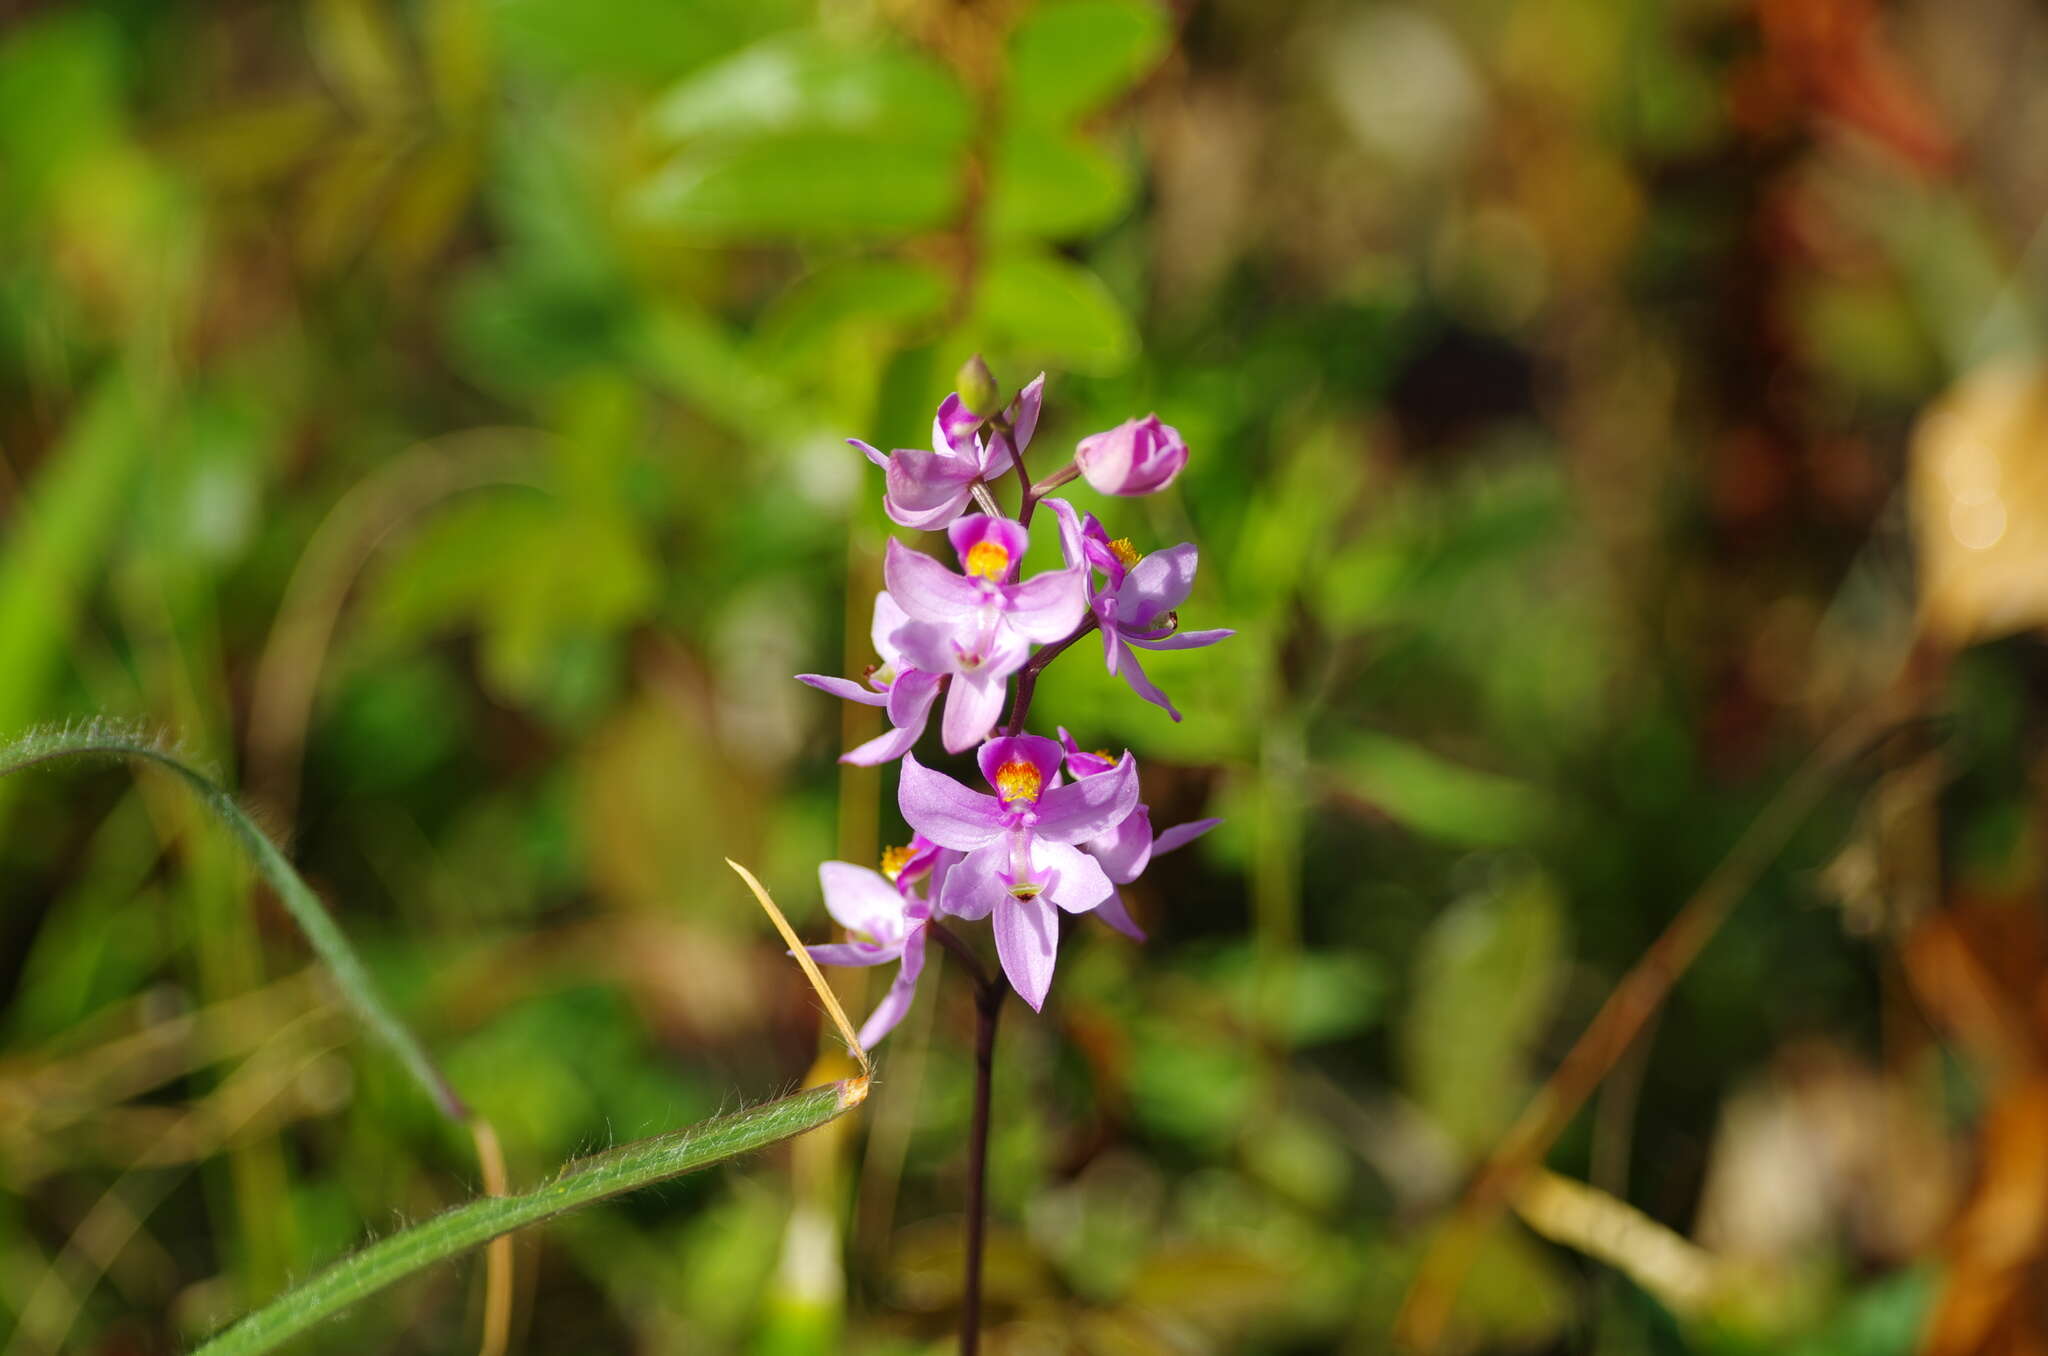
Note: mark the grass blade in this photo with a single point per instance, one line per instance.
(626, 1168)
(105, 740)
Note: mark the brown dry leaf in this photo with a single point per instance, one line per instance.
(1990, 1293)
(1979, 494)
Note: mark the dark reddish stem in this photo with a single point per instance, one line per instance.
(1027, 677)
(988, 1005)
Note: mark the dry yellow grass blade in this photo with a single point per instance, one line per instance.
(811, 972)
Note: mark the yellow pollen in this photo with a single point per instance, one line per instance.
(893, 861)
(1017, 781)
(988, 559)
(1104, 755)
(1125, 553)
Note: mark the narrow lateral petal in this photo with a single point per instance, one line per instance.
(1134, 673)
(845, 687)
(884, 748)
(871, 452)
(945, 811)
(1180, 640)
(851, 953)
(1180, 835)
(902, 992)
(1027, 940)
(1089, 807)
(1114, 912)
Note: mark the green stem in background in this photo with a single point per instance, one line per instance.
(608, 1174)
(103, 740)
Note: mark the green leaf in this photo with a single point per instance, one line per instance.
(802, 82)
(1071, 56)
(1053, 185)
(467, 1226)
(1485, 977)
(1041, 307)
(808, 185)
(1435, 796)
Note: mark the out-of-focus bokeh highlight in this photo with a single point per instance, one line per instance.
(430, 414)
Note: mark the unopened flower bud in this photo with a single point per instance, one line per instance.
(977, 387)
(1136, 457)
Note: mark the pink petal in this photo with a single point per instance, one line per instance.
(889, 617)
(910, 698)
(973, 707)
(1159, 583)
(976, 882)
(945, 811)
(1126, 849)
(1078, 882)
(1027, 940)
(1049, 606)
(884, 748)
(1088, 807)
(871, 452)
(925, 589)
(861, 900)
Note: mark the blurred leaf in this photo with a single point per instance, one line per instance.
(861, 296)
(255, 144)
(58, 540)
(1069, 56)
(1435, 796)
(1198, 1090)
(60, 99)
(456, 41)
(1978, 486)
(804, 82)
(812, 185)
(637, 40)
(1043, 308)
(359, 48)
(1484, 979)
(1055, 186)
(1517, 1294)
(1327, 995)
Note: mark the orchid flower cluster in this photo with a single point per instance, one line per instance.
(1064, 827)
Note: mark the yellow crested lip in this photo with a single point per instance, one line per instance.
(1126, 554)
(1018, 781)
(988, 560)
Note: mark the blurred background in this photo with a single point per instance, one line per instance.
(429, 412)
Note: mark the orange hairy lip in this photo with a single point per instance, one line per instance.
(1127, 555)
(894, 859)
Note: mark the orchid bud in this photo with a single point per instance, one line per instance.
(1136, 457)
(977, 387)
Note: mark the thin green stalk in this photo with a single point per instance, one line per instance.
(466, 1226)
(103, 740)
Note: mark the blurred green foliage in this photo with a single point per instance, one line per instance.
(430, 413)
